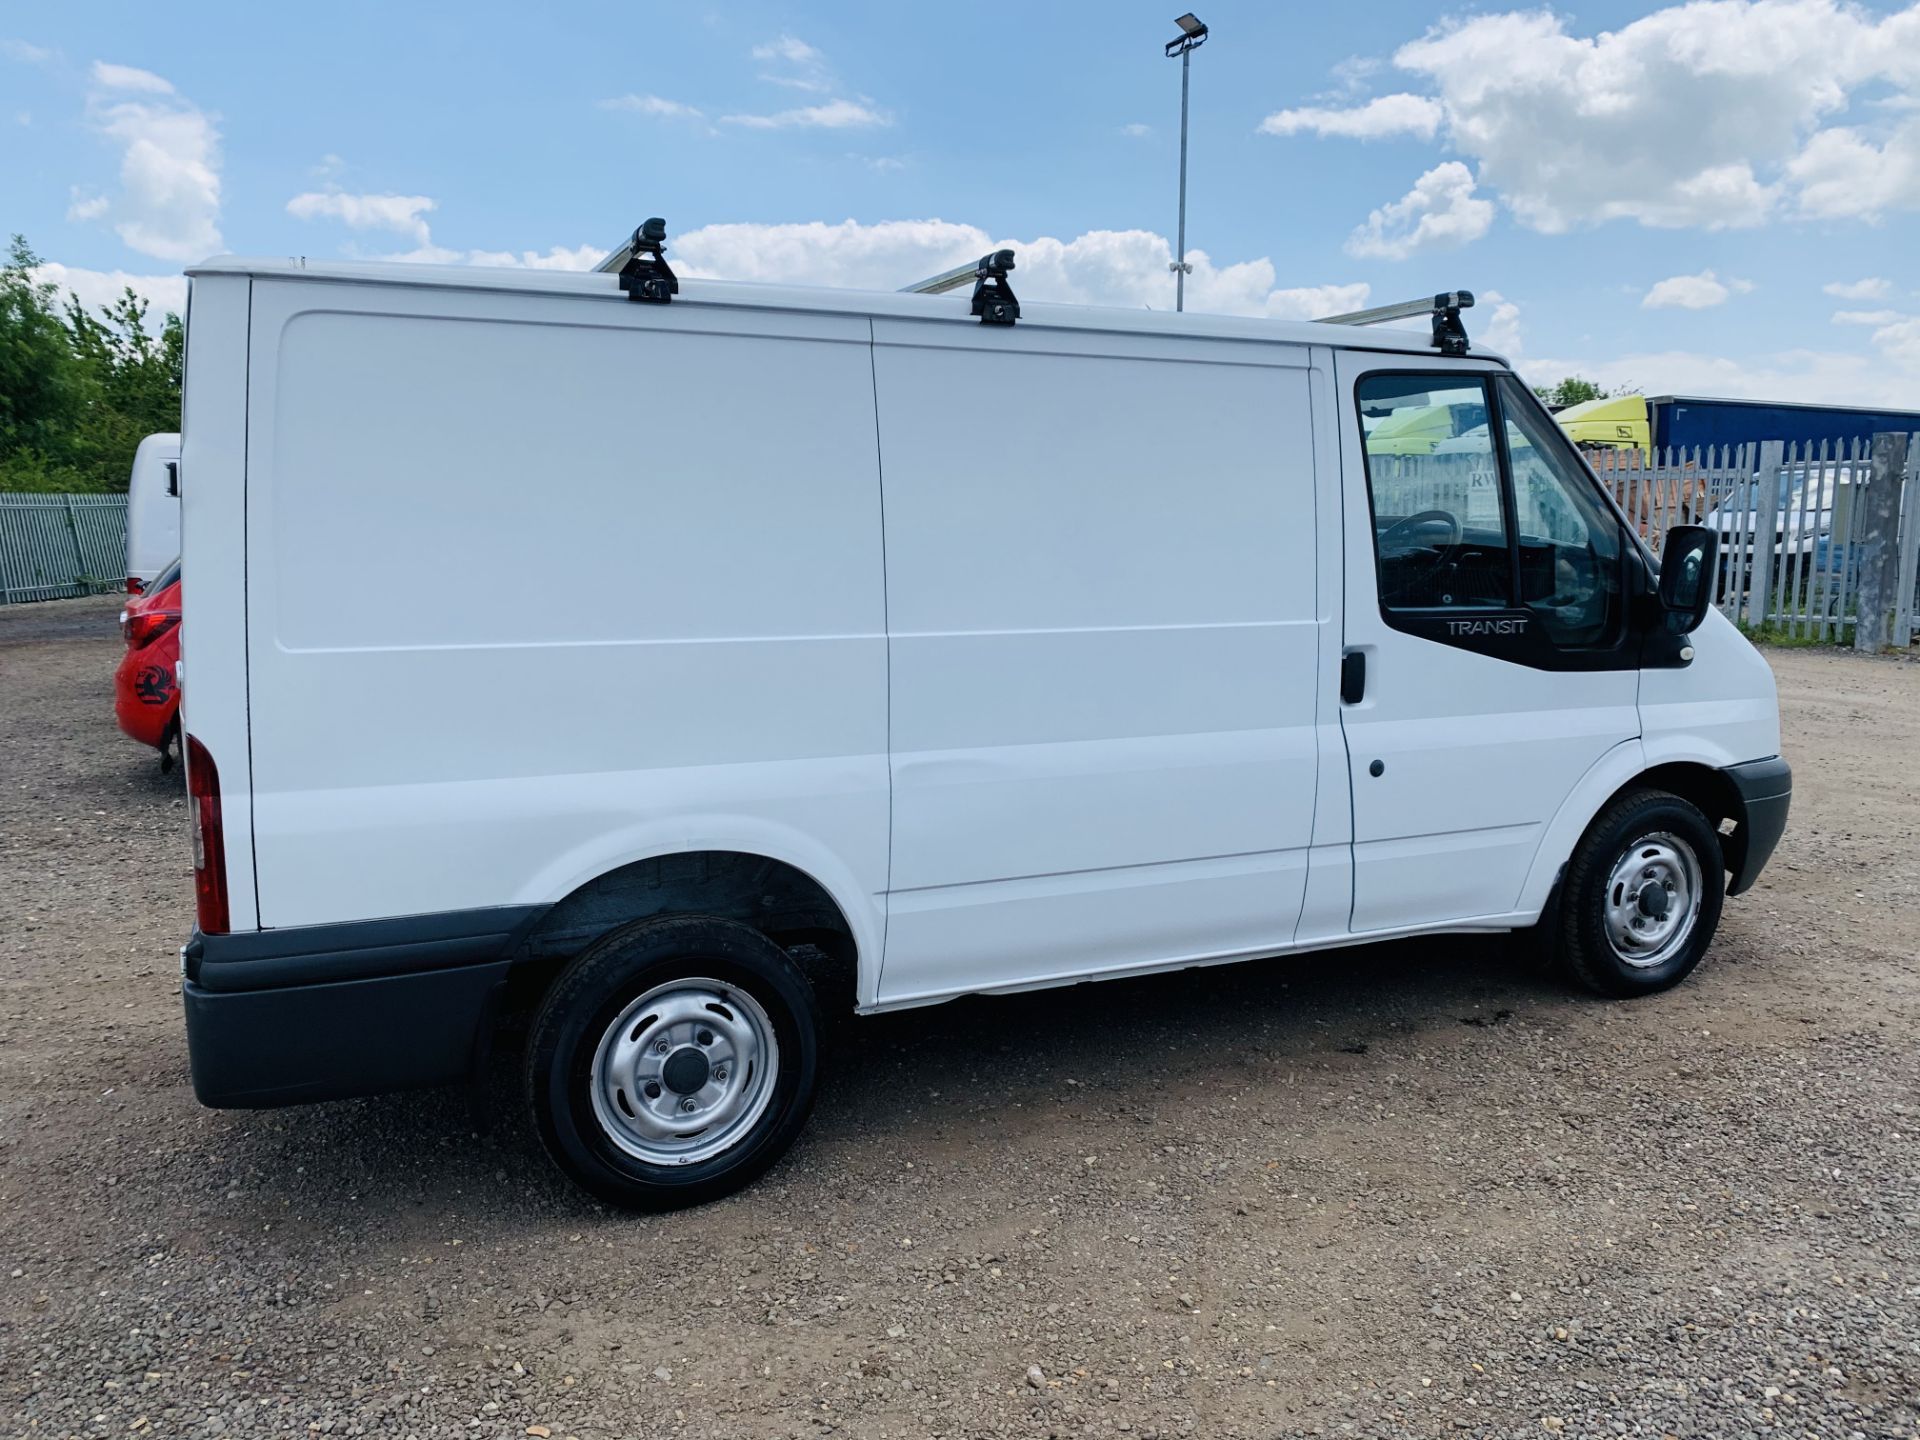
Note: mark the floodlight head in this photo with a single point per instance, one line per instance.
(1192, 34)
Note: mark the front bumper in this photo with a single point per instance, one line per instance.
(281, 1017)
(1765, 791)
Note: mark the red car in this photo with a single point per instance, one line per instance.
(146, 694)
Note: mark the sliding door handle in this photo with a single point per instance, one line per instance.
(1353, 677)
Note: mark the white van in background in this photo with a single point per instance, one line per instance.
(153, 510)
(945, 648)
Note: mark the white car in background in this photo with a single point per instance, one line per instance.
(1800, 509)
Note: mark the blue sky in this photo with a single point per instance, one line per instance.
(1716, 197)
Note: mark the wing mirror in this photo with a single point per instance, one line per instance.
(1688, 561)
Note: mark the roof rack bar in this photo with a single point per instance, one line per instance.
(1449, 335)
(943, 282)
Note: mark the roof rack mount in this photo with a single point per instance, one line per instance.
(1449, 335)
(993, 299)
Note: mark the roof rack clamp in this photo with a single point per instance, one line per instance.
(646, 277)
(993, 298)
(1449, 335)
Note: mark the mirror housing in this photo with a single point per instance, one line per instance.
(1689, 559)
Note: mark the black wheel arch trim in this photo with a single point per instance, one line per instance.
(1765, 794)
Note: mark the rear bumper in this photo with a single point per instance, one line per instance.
(281, 1017)
(1765, 788)
(145, 697)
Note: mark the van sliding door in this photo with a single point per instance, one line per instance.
(1102, 640)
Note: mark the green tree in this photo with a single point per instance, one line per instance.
(1571, 391)
(133, 383)
(42, 388)
(78, 391)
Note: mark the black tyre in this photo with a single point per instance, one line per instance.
(1642, 895)
(673, 1061)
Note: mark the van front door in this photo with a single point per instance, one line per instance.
(1489, 660)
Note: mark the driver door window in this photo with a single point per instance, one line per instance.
(1479, 504)
(1439, 521)
(1569, 541)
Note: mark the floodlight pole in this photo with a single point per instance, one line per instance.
(1180, 270)
(1192, 36)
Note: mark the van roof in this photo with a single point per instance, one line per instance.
(825, 300)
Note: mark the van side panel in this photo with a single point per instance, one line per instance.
(213, 564)
(1101, 587)
(547, 584)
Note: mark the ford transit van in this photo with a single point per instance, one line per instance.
(851, 651)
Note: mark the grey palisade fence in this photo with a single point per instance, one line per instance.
(56, 546)
(1818, 541)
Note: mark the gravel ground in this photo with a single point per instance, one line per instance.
(1411, 1190)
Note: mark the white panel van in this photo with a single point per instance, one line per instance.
(153, 510)
(841, 650)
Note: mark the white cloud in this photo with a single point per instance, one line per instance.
(838, 114)
(1439, 213)
(1711, 113)
(1379, 118)
(1871, 288)
(1102, 267)
(129, 77)
(792, 49)
(1842, 174)
(559, 257)
(1875, 318)
(1899, 341)
(1494, 324)
(1136, 130)
(402, 214)
(95, 288)
(87, 207)
(653, 105)
(406, 216)
(169, 200)
(25, 53)
(1692, 292)
(798, 66)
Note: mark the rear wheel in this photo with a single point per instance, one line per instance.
(673, 1061)
(1642, 895)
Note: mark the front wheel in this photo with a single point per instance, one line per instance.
(1642, 895)
(673, 1061)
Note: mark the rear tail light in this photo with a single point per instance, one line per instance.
(144, 628)
(209, 844)
(135, 585)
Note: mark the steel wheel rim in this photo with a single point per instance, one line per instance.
(684, 1072)
(1653, 900)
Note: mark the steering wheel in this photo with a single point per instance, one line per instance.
(1398, 537)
